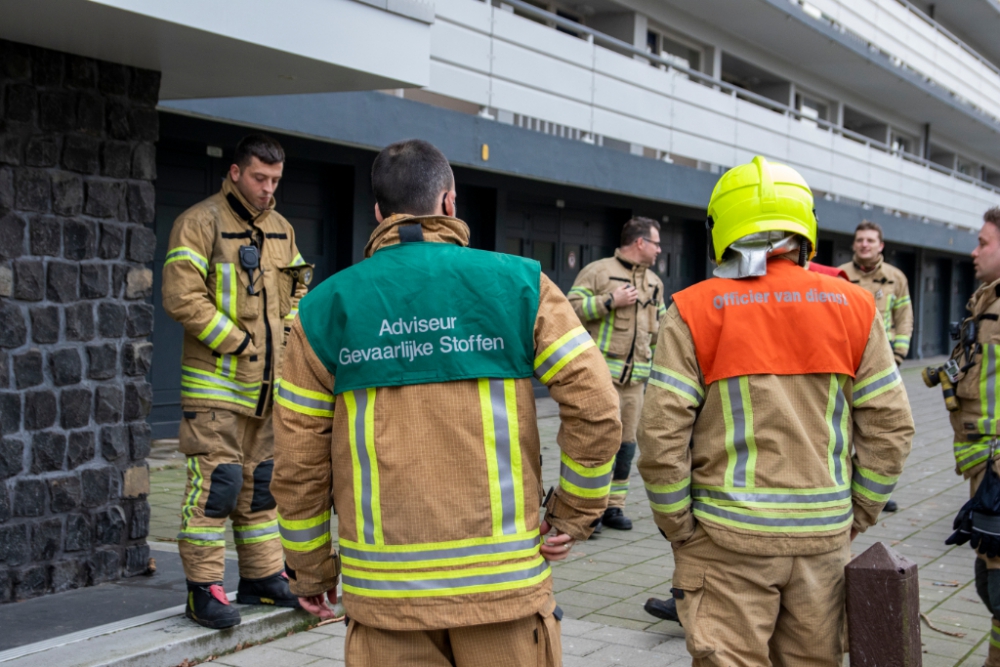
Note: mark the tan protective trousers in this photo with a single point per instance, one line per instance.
(630, 405)
(747, 611)
(229, 463)
(533, 641)
(993, 656)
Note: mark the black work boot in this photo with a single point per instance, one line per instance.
(665, 609)
(208, 605)
(615, 518)
(269, 590)
(890, 506)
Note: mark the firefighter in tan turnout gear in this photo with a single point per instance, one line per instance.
(620, 301)
(405, 402)
(233, 278)
(774, 429)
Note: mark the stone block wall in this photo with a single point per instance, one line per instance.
(77, 161)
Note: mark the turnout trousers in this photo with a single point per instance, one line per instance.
(630, 403)
(740, 610)
(532, 641)
(229, 463)
(988, 584)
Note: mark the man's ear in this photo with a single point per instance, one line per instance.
(449, 204)
(378, 214)
(234, 172)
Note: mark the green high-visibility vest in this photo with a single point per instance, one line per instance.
(423, 312)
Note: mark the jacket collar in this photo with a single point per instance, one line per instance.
(640, 269)
(238, 204)
(984, 297)
(868, 269)
(434, 229)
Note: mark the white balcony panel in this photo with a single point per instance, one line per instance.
(468, 85)
(531, 68)
(632, 130)
(460, 46)
(538, 104)
(476, 16)
(516, 30)
(628, 100)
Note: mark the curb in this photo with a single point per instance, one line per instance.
(160, 639)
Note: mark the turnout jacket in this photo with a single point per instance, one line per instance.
(892, 300)
(423, 441)
(775, 415)
(625, 336)
(975, 422)
(233, 339)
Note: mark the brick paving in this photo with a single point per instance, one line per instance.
(604, 583)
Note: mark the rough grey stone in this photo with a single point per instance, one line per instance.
(95, 281)
(136, 559)
(29, 497)
(140, 320)
(11, 457)
(81, 154)
(74, 408)
(68, 574)
(32, 189)
(11, 143)
(118, 273)
(6, 281)
(96, 484)
(105, 199)
(22, 99)
(90, 114)
(44, 324)
(46, 235)
(46, 539)
(139, 525)
(62, 282)
(10, 412)
(39, 410)
(28, 369)
(138, 283)
(140, 440)
(65, 366)
(47, 67)
(30, 582)
(138, 400)
(4, 370)
(144, 162)
(65, 493)
(105, 565)
(102, 361)
(79, 532)
(67, 194)
(145, 124)
(117, 159)
(137, 358)
(29, 280)
(57, 111)
(6, 586)
(114, 441)
(141, 245)
(15, 60)
(79, 239)
(144, 86)
(5, 508)
(41, 151)
(109, 526)
(108, 404)
(80, 322)
(11, 235)
(15, 547)
(111, 320)
(141, 202)
(81, 73)
(112, 240)
(13, 328)
(116, 119)
(80, 449)
(7, 188)
(112, 78)
(48, 452)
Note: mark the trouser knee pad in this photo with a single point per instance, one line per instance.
(623, 461)
(262, 498)
(227, 480)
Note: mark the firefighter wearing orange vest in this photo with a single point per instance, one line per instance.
(774, 429)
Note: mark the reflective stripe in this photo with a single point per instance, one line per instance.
(872, 485)
(441, 554)
(876, 385)
(224, 395)
(616, 366)
(995, 636)
(740, 444)
(199, 377)
(196, 383)
(361, 429)
(216, 331)
(836, 421)
(588, 302)
(669, 498)
(664, 378)
(988, 390)
(900, 302)
(887, 315)
(661, 310)
(790, 522)
(585, 482)
(225, 366)
(298, 261)
(498, 405)
(640, 370)
(225, 290)
(773, 498)
(304, 401)
(969, 455)
(561, 352)
(292, 314)
(182, 253)
(304, 534)
(195, 478)
(604, 332)
(206, 536)
(619, 488)
(260, 532)
(448, 582)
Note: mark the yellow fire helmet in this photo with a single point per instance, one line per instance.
(760, 197)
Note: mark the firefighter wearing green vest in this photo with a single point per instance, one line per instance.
(406, 402)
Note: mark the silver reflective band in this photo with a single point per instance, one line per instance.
(216, 380)
(204, 537)
(876, 385)
(438, 554)
(677, 384)
(305, 402)
(871, 485)
(448, 582)
(248, 534)
(227, 364)
(787, 498)
(739, 431)
(669, 498)
(220, 393)
(990, 357)
(773, 521)
(304, 534)
(361, 402)
(840, 403)
(565, 349)
(219, 327)
(573, 477)
(501, 435)
(227, 295)
(187, 254)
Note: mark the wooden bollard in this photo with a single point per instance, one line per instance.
(883, 609)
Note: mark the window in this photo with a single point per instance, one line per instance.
(811, 108)
(678, 52)
(900, 143)
(544, 252)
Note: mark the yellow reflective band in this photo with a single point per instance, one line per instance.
(837, 416)
(567, 348)
(501, 438)
(298, 260)
(360, 405)
(440, 554)
(776, 522)
(876, 385)
(667, 498)
(188, 254)
(225, 290)
(672, 381)
(773, 498)
(872, 485)
(216, 331)
(208, 385)
(988, 390)
(741, 447)
(304, 401)
(442, 583)
(256, 533)
(583, 481)
(203, 536)
(292, 314)
(994, 636)
(619, 488)
(304, 534)
(604, 334)
(903, 301)
(195, 477)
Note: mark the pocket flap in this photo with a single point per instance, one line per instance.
(688, 581)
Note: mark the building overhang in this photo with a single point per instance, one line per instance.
(976, 22)
(254, 47)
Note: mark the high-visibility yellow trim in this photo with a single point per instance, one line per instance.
(516, 470)
(217, 330)
(876, 385)
(567, 348)
(188, 254)
(537, 564)
(303, 401)
(492, 470)
(583, 481)
(526, 545)
(315, 530)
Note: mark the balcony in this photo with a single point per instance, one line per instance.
(512, 66)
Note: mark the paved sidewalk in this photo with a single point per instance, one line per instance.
(604, 583)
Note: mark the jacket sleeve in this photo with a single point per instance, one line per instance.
(186, 296)
(883, 428)
(587, 298)
(300, 289)
(568, 363)
(902, 319)
(674, 396)
(302, 481)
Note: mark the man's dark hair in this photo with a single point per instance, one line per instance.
(409, 177)
(993, 215)
(637, 228)
(868, 224)
(260, 146)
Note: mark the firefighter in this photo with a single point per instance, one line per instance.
(975, 422)
(406, 403)
(620, 302)
(775, 427)
(233, 278)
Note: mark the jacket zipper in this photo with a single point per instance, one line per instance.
(635, 333)
(265, 384)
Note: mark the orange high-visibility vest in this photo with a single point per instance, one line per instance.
(788, 322)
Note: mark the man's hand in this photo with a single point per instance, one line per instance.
(555, 547)
(317, 606)
(625, 295)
